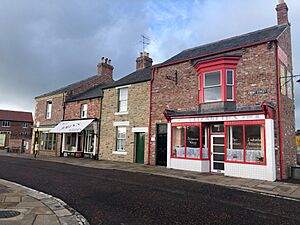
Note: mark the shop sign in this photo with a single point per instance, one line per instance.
(219, 119)
(2, 140)
(258, 92)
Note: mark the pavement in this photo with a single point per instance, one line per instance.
(20, 205)
(276, 189)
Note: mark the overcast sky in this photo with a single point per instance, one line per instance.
(47, 44)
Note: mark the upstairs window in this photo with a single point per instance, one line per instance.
(83, 111)
(25, 125)
(212, 86)
(5, 123)
(123, 100)
(217, 79)
(48, 109)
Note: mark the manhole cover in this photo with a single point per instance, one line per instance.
(9, 214)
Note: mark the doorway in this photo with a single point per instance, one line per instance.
(217, 153)
(140, 147)
(161, 145)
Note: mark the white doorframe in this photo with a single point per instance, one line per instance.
(216, 153)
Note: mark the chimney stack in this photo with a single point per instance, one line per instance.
(143, 61)
(282, 13)
(105, 70)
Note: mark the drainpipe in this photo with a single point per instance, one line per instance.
(63, 118)
(99, 127)
(278, 113)
(149, 119)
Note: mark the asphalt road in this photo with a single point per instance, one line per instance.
(118, 197)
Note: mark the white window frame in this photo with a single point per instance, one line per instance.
(120, 139)
(231, 85)
(5, 123)
(83, 110)
(212, 86)
(121, 110)
(49, 109)
(25, 125)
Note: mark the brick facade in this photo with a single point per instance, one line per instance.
(138, 108)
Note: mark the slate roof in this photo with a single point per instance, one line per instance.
(134, 77)
(172, 113)
(267, 34)
(68, 87)
(16, 116)
(94, 92)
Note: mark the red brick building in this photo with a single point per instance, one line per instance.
(228, 106)
(15, 130)
(50, 108)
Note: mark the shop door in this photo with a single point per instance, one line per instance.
(89, 148)
(217, 153)
(161, 145)
(140, 147)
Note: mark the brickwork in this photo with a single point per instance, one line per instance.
(72, 109)
(138, 108)
(167, 95)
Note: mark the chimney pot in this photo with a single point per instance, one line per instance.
(102, 59)
(143, 61)
(105, 70)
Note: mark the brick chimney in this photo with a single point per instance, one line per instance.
(105, 70)
(143, 61)
(282, 13)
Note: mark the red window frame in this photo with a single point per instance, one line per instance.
(220, 64)
(184, 125)
(244, 124)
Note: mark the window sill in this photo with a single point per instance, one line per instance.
(119, 153)
(121, 113)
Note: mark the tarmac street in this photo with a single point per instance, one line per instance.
(114, 196)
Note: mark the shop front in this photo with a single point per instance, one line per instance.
(238, 144)
(79, 137)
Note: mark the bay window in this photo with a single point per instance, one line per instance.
(212, 86)
(189, 142)
(245, 143)
(229, 85)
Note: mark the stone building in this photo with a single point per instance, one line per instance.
(125, 113)
(15, 130)
(50, 108)
(228, 106)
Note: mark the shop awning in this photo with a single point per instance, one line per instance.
(74, 126)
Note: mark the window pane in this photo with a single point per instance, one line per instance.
(204, 143)
(229, 92)
(193, 142)
(178, 141)
(213, 78)
(229, 76)
(212, 94)
(123, 93)
(121, 138)
(235, 148)
(254, 143)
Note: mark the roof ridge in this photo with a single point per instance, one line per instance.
(236, 36)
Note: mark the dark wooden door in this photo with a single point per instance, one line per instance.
(140, 147)
(161, 145)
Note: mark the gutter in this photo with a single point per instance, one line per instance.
(279, 113)
(150, 110)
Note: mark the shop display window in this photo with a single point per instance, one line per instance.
(187, 142)
(245, 143)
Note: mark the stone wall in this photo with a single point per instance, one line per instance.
(138, 108)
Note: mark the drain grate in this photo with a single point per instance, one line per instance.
(8, 214)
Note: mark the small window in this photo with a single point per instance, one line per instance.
(83, 111)
(229, 85)
(212, 86)
(123, 99)
(48, 109)
(25, 125)
(121, 138)
(5, 123)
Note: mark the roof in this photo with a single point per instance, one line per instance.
(134, 77)
(68, 87)
(16, 116)
(267, 34)
(94, 92)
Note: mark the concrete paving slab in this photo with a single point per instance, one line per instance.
(46, 220)
(68, 220)
(12, 199)
(62, 212)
